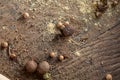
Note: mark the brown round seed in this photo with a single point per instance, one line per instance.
(60, 25)
(67, 31)
(12, 56)
(108, 77)
(61, 57)
(66, 23)
(4, 44)
(31, 66)
(43, 67)
(52, 55)
(98, 14)
(26, 15)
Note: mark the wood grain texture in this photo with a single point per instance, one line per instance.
(97, 58)
(99, 53)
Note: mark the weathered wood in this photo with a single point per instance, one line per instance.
(97, 58)
(95, 39)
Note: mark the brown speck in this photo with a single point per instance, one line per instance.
(100, 7)
(98, 14)
(114, 3)
(33, 17)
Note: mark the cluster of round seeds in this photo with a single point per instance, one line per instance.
(32, 66)
(53, 55)
(65, 29)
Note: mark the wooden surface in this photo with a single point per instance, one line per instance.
(97, 58)
(35, 37)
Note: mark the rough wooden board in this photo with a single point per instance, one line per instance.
(97, 58)
(34, 41)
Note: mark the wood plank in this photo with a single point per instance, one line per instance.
(97, 58)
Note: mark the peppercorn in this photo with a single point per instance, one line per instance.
(43, 67)
(52, 55)
(60, 25)
(66, 23)
(31, 66)
(12, 56)
(4, 44)
(26, 15)
(61, 57)
(108, 77)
